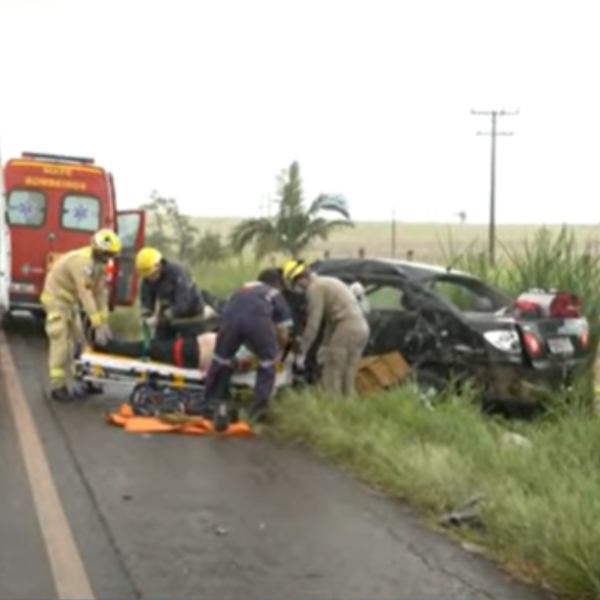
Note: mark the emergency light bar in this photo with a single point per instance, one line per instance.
(57, 158)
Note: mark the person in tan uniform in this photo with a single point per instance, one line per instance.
(331, 303)
(77, 279)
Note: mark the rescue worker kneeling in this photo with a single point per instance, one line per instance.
(258, 317)
(77, 278)
(331, 303)
(167, 293)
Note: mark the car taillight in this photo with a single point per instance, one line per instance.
(532, 345)
(527, 308)
(553, 305)
(566, 306)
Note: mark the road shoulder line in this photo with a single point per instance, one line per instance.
(68, 570)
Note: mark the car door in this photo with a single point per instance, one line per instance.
(131, 228)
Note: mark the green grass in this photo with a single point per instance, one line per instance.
(542, 505)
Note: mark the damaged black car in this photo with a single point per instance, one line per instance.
(451, 327)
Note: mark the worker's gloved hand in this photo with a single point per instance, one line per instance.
(150, 321)
(102, 335)
(209, 312)
(167, 315)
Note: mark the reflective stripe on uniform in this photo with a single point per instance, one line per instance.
(57, 374)
(221, 360)
(45, 298)
(265, 364)
(96, 319)
(64, 295)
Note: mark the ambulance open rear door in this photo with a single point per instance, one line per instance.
(131, 228)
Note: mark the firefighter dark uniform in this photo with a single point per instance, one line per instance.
(77, 278)
(168, 293)
(258, 317)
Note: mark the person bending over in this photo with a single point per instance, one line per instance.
(259, 317)
(167, 295)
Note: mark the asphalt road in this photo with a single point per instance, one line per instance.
(179, 517)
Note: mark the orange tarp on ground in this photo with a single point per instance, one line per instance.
(124, 417)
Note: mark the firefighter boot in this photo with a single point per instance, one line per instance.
(92, 389)
(63, 395)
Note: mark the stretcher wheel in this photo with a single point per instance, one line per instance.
(145, 400)
(138, 395)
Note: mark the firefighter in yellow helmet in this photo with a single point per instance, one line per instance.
(168, 294)
(77, 279)
(331, 305)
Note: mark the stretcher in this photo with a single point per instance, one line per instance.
(158, 388)
(102, 368)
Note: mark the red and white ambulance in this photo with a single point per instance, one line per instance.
(54, 204)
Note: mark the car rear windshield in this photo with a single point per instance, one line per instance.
(26, 208)
(80, 213)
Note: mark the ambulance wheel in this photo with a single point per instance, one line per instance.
(221, 417)
(7, 320)
(39, 315)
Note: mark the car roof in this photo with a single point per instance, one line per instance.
(385, 266)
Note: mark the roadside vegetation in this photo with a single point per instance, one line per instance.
(539, 504)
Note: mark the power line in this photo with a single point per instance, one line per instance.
(495, 114)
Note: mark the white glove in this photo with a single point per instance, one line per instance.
(150, 321)
(209, 312)
(102, 335)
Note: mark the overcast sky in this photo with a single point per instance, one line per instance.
(206, 101)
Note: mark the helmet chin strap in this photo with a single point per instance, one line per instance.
(102, 257)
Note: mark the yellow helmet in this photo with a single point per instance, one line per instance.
(293, 269)
(106, 242)
(147, 262)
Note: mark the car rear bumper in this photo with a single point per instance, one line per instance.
(529, 385)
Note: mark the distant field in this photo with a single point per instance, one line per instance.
(426, 240)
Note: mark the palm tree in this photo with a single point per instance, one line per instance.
(294, 227)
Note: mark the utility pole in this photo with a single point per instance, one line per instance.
(495, 114)
(393, 240)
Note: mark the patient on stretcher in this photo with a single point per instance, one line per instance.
(186, 353)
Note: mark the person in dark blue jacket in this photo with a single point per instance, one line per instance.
(258, 317)
(167, 294)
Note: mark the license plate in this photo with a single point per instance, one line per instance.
(560, 346)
